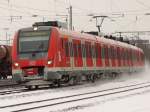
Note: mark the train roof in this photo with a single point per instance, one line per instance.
(85, 36)
(90, 37)
(39, 28)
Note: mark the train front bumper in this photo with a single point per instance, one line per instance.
(17, 75)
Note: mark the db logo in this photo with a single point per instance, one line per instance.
(32, 63)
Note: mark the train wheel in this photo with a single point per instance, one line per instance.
(73, 81)
(3, 76)
(114, 75)
(88, 77)
(29, 87)
(79, 79)
(36, 87)
(93, 78)
(58, 83)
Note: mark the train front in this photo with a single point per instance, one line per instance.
(30, 53)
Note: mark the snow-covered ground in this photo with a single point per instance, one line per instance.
(134, 101)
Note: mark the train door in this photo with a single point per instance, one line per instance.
(89, 61)
(98, 54)
(110, 56)
(83, 54)
(138, 58)
(103, 54)
(78, 62)
(65, 53)
(71, 54)
(123, 57)
(118, 56)
(106, 56)
(128, 57)
(93, 54)
(75, 49)
(79, 50)
(113, 56)
(142, 59)
(131, 57)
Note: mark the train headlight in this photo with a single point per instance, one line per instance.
(49, 62)
(35, 28)
(16, 64)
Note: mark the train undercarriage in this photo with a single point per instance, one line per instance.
(67, 78)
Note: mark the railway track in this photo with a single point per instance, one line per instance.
(29, 106)
(12, 91)
(6, 83)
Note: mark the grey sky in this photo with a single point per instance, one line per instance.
(128, 14)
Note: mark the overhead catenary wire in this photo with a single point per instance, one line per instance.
(25, 7)
(143, 4)
(27, 12)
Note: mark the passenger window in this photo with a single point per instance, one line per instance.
(96, 50)
(103, 52)
(83, 50)
(75, 50)
(90, 51)
(70, 49)
(79, 50)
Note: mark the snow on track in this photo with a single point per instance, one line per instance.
(73, 98)
(114, 101)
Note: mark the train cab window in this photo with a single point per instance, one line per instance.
(33, 41)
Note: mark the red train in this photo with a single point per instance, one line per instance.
(51, 54)
(5, 61)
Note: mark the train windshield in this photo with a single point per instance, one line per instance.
(33, 41)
